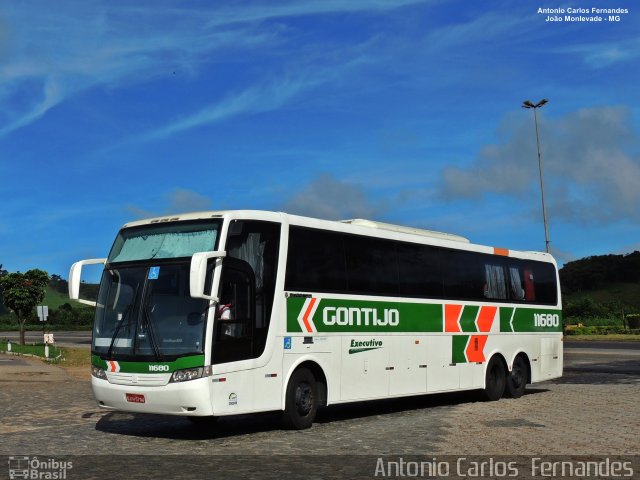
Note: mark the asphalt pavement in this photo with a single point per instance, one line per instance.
(590, 413)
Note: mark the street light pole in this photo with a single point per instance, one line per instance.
(529, 104)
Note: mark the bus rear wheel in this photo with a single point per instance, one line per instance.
(517, 379)
(495, 380)
(301, 403)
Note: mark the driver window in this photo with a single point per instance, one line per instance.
(233, 333)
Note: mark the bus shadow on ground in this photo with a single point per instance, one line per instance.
(178, 428)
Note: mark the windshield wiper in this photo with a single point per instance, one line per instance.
(152, 336)
(125, 319)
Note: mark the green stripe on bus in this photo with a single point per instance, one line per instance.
(96, 361)
(530, 320)
(334, 315)
(146, 367)
(505, 318)
(537, 320)
(458, 345)
(468, 318)
(339, 315)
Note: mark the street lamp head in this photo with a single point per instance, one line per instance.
(530, 104)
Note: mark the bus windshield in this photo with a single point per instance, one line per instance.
(146, 311)
(163, 241)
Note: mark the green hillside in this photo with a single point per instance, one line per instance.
(72, 315)
(626, 295)
(602, 290)
(53, 299)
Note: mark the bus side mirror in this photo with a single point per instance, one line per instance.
(198, 273)
(75, 274)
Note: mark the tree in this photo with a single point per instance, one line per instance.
(22, 292)
(3, 310)
(59, 284)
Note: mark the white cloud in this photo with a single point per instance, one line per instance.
(602, 55)
(257, 12)
(255, 99)
(81, 46)
(589, 174)
(179, 200)
(97, 45)
(331, 199)
(52, 93)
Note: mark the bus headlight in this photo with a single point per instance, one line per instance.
(98, 372)
(190, 374)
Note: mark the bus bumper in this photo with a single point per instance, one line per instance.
(191, 398)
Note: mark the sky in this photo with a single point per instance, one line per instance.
(404, 111)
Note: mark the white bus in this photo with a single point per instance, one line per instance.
(233, 312)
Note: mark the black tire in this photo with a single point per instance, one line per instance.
(301, 402)
(517, 379)
(495, 380)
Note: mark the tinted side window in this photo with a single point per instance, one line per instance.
(420, 271)
(372, 266)
(257, 243)
(315, 261)
(321, 261)
(544, 280)
(464, 275)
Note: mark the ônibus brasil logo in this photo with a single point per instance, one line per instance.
(358, 346)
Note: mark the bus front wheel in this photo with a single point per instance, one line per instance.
(495, 380)
(301, 403)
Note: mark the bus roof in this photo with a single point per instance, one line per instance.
(359, 226)
(400, 228)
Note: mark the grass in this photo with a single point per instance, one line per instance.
(72, 358)
(36, 349)
(75, 357)
(53, 299)
(614, 337)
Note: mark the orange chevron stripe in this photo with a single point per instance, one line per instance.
(305, 317)
(485, 318)
(451, 317)
(475, 348)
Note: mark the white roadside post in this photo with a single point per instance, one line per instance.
(43, 314)
(48, 340)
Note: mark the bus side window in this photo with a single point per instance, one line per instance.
(233, 335)
(529, 288)
(515, 284)
(257, 243)
(494, 287)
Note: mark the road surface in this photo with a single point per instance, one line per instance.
(590, 413)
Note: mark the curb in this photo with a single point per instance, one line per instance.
(18, 354)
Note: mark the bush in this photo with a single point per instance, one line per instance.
(69, 316)
(599, 330)
(633, 320)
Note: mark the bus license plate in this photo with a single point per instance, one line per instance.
(135, 398)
